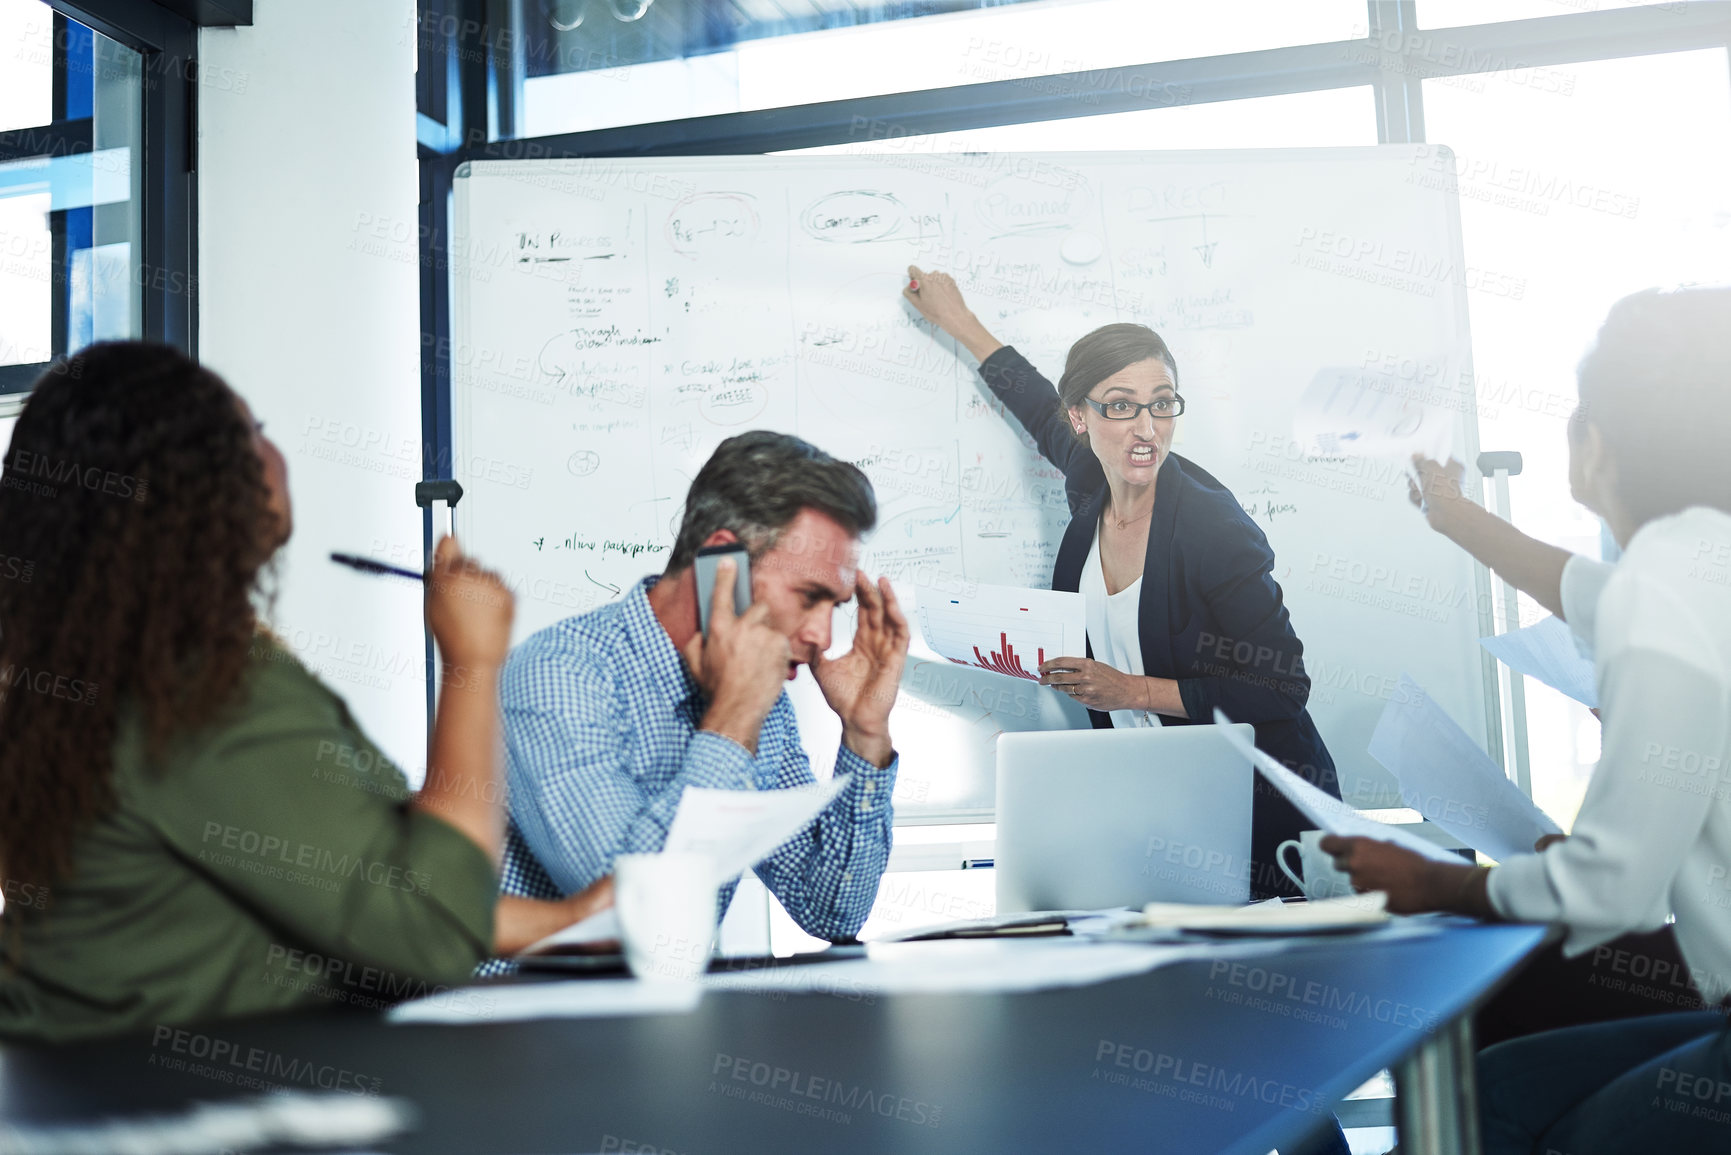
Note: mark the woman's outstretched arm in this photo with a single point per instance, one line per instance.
(939, 301)
(1530, 565)
(1017, 385)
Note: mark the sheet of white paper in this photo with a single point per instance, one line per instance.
(738, 828)
(1362, 413)
(1446, 777)
(1273, 916)
(1077, 922)
(575, 999)
(278, 1120)
(1328, 812)
(1005, 629)
(972, 966)
(596, 928)
(1547, 651)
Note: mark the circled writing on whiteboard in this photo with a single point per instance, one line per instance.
(583, 462)
(853, 217)
(712, 221)
(733, 403)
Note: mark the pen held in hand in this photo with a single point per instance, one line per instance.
(368, 565)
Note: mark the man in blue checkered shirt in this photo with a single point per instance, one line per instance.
(609, 715)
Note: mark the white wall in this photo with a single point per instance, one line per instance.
(308, 305)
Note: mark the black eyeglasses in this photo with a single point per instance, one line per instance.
(1121, 410)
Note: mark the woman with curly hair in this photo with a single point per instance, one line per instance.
(191, 825)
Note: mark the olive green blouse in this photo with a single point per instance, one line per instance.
(269, 861)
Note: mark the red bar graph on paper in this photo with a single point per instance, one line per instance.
(1004, 659)
(1005, 630)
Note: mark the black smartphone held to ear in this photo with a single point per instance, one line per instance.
(706, 559)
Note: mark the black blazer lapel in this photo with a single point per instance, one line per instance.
(1078, 539)
(1154, 611)
(1067, 570)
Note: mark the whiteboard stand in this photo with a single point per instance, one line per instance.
(1499, 467)
(449, 491)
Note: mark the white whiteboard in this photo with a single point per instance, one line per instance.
(612, 321)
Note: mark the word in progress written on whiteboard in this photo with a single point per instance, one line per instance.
(613, 321)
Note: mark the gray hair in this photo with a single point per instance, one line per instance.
(756, 483)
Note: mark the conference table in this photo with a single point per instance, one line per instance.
(1233, 1054)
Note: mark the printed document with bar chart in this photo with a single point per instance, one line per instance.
(1005, 629)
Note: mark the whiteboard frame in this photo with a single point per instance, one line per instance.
(1491, 706)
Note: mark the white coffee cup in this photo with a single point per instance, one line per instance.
(1317, 877)
(667, 914)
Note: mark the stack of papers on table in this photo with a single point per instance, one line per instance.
(279, 1120)
(975, 966)
(572, 999)
(1028, 924)
(1272, 917)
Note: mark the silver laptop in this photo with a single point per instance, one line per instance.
(1099, 818)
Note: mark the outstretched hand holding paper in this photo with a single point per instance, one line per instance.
(1328, 812)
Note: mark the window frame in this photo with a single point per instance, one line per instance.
(480, 90)
(167, 279)
(462, 106)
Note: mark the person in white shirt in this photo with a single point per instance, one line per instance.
(1652, 839)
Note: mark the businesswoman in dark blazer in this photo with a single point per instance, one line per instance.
(1184, 614)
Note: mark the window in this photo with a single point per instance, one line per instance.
(96, 224)
(683, 58)
(8, 418)
(1578, 190)
(1578, 182)
(1337, 116)
(27, 80)
(1454, 13)
(26, 274)
(70, 184)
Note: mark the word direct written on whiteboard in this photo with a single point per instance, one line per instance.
(1004, 629)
